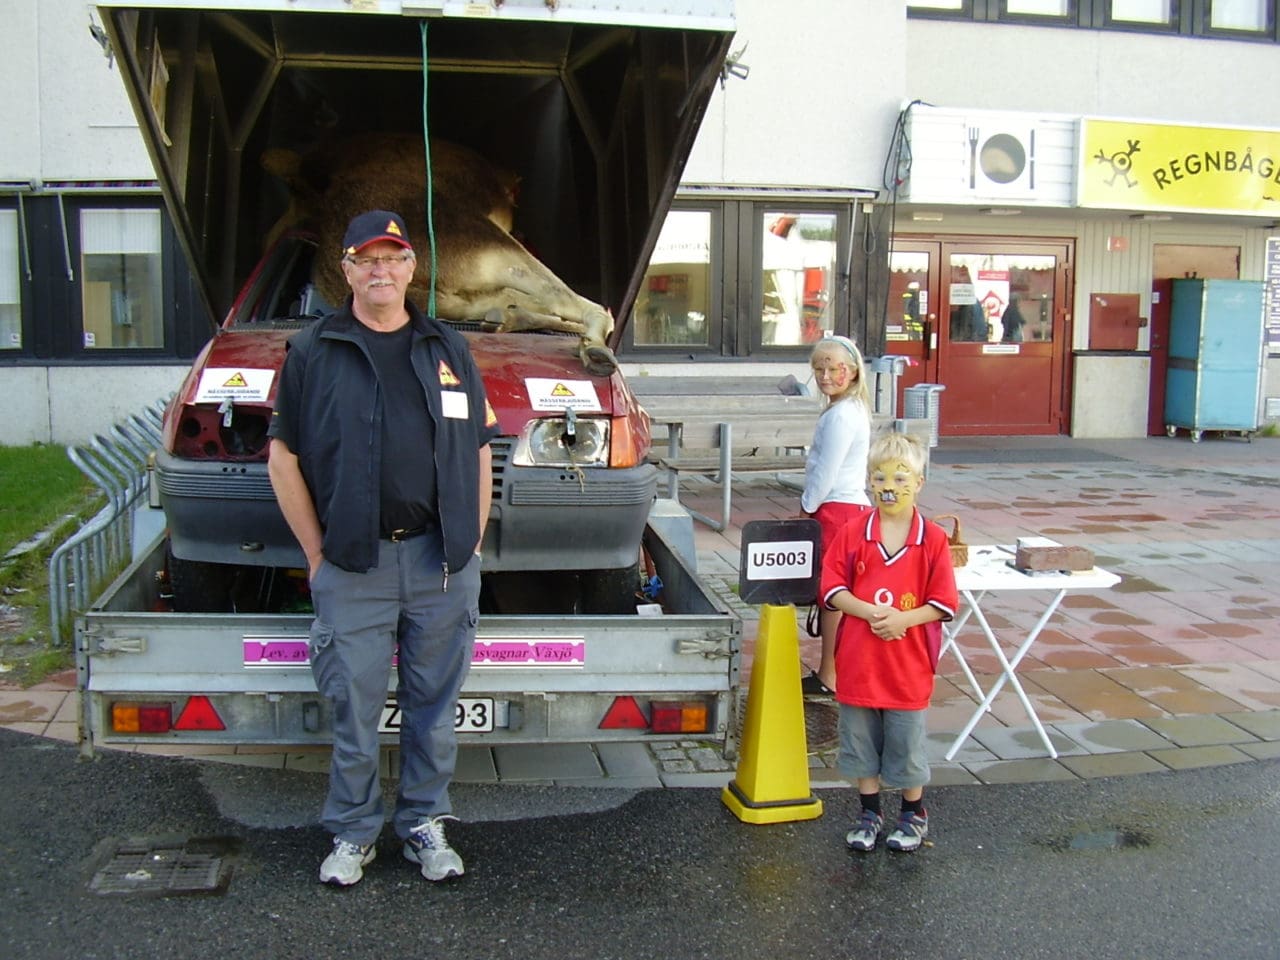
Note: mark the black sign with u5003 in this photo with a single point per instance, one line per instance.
(779, 561)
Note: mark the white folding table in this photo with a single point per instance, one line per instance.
(990, 571)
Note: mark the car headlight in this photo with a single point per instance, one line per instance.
(564, 442)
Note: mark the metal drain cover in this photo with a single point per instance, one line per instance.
(821, 724)
(165, 867)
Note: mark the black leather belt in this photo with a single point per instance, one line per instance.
(404, 533)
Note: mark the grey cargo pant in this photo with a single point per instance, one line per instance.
(360, 620)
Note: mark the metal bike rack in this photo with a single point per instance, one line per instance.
(117, 464)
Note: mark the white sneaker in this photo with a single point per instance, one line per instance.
(427, 847)
(345, 864)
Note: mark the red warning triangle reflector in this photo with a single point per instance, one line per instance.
(624, 714)
(199, 714)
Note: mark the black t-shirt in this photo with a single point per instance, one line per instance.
(408, 483)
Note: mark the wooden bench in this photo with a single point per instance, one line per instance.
(720, 435)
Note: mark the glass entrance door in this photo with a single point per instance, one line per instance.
(994, 330)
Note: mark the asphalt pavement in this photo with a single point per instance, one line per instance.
(1171, 865)
(1172, 678)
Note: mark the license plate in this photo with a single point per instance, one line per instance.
(470, 715)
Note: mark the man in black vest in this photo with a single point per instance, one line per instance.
(380, 461)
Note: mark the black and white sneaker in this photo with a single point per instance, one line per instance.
(427, 847)
(865, 833)
(909, 833)
(812, 686)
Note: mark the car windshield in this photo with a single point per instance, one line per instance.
(281, 293)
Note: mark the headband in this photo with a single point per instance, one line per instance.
(844, 342)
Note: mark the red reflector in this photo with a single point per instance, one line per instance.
(624, 714)
(679, 716)
(199, 714)
(154, 717)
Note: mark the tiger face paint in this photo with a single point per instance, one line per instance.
(894, 486)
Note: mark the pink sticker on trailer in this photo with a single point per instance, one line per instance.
(558, 652)
(276, 652)
(570, 652)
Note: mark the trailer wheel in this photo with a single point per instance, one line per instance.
(199, 587)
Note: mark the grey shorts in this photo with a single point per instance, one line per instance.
(888, 744)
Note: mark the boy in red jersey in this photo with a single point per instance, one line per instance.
(890, 574)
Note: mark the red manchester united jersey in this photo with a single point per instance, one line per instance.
(887, 674)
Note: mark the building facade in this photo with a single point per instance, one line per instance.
(997, 191)
(939, 172)
(97, 317)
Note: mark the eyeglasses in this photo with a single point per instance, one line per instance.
(368, 263)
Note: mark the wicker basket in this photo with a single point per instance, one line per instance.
(959, 549)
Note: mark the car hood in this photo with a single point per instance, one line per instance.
(233, 357)
(529, 374)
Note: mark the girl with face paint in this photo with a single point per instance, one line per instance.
(835, 471)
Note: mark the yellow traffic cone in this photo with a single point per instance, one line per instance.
(771, 784)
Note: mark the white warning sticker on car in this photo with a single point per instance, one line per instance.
(234, 383)
(549, 394)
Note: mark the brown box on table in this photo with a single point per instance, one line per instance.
(1040, 553)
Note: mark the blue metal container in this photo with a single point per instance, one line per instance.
(1215, 356)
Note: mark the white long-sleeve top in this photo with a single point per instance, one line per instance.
(836, 467)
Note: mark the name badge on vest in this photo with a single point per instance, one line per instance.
(453, 403)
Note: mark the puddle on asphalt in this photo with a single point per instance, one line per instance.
(1105, 840)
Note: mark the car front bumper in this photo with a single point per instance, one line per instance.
(222, 511)
(541, 518)
(547, 518)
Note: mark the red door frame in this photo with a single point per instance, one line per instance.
(921, 353)
(1161, 314)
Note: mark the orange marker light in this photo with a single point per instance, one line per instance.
(679, 716)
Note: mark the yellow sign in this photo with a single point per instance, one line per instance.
(1154, 166)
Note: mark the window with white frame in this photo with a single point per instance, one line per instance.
(797, 274)
(1038, 8)
(1251, 20)
(10, 283)
(674, 304)
(121, 278)
(1142, 11)
(1245, 15)
(744, 277)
